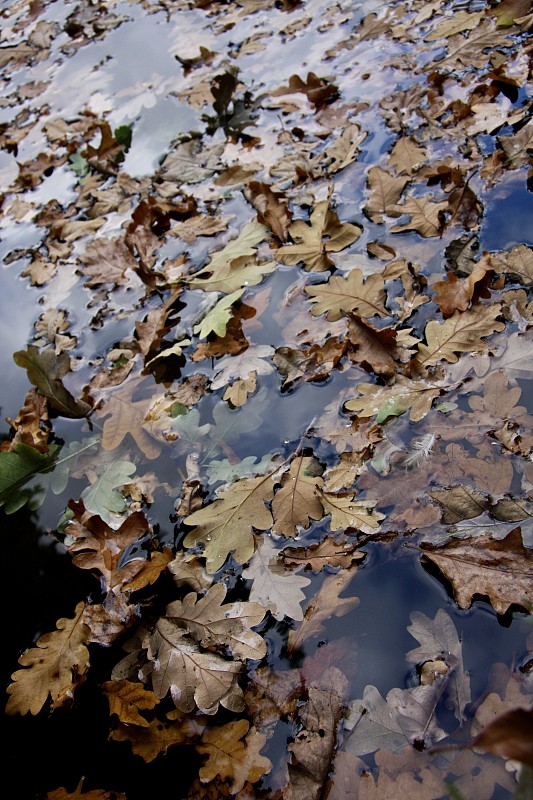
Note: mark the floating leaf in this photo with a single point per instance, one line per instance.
(45, 370)
(233, 753)
(225, 526)
(500, 570)
(276, 589)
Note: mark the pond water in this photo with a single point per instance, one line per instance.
(419, 129)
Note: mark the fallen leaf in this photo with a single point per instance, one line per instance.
(498, 569)
(439, 640)
(51, 668)
(275, 588)
(225, 525)
(327, 553)
(325, 604)
(340, 295)
(314, 241)
(45, 370)
(296, 503)
(218, 625)
(233, 753)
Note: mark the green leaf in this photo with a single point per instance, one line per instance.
(101, 496)
(123, 136)
(79, 164)
(17, 467)
(216, 320)
(45, 370)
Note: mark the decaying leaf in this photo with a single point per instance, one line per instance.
(327, 553)
(296, 502)
(405, 717)
(314, 241)
(439, 640)
(46, 370)
(52, 668)
(324, 605)
(481, 566)
(218, 625)
(127, 699)
(233, 753)
(275, 588)
(341, 295)
(225, 526)
(194, 678)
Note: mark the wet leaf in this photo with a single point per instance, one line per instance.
(385, 191)
(271, 208)
(225, 526)
(314, 241)
(154, 740)
(405, 717)
(17, 467)
(498, 569)
(348, 513)
(296, 502)
(327, 553)
(233, 753)
(193, 677)
(45, 370)
(218, 625)
(52, 667)
(273, 587)
(509, 735)
(313, 748)
(341, 295)
(439, 641)
(325, 604)
(101, 497)
(216, 320)
(127, 699)
(460, 333)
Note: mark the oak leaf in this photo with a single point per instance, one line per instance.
(95, 545)
(460, 333)
(154, 740)
(193, 677)
(325, 604)
(233, 753)
(439, 641)
(327, 553)
(517, 262)
(127, 699)
(345, 148)
(385, 191)
(393, 401)
(107, 261)
(405, 717)
(374, 347)
(127, 416)
(46, 370)
(313, 748)
(273, 587)
(340, 295)
(455, 294)
(348, 513)
(509, 735)
(407, 155)
(52, 668)
(427, 217)
(271, 208)
(217, 318)
(296, 502)
(314, 241)
(498, 569)
(215, 624)
(225, 525)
